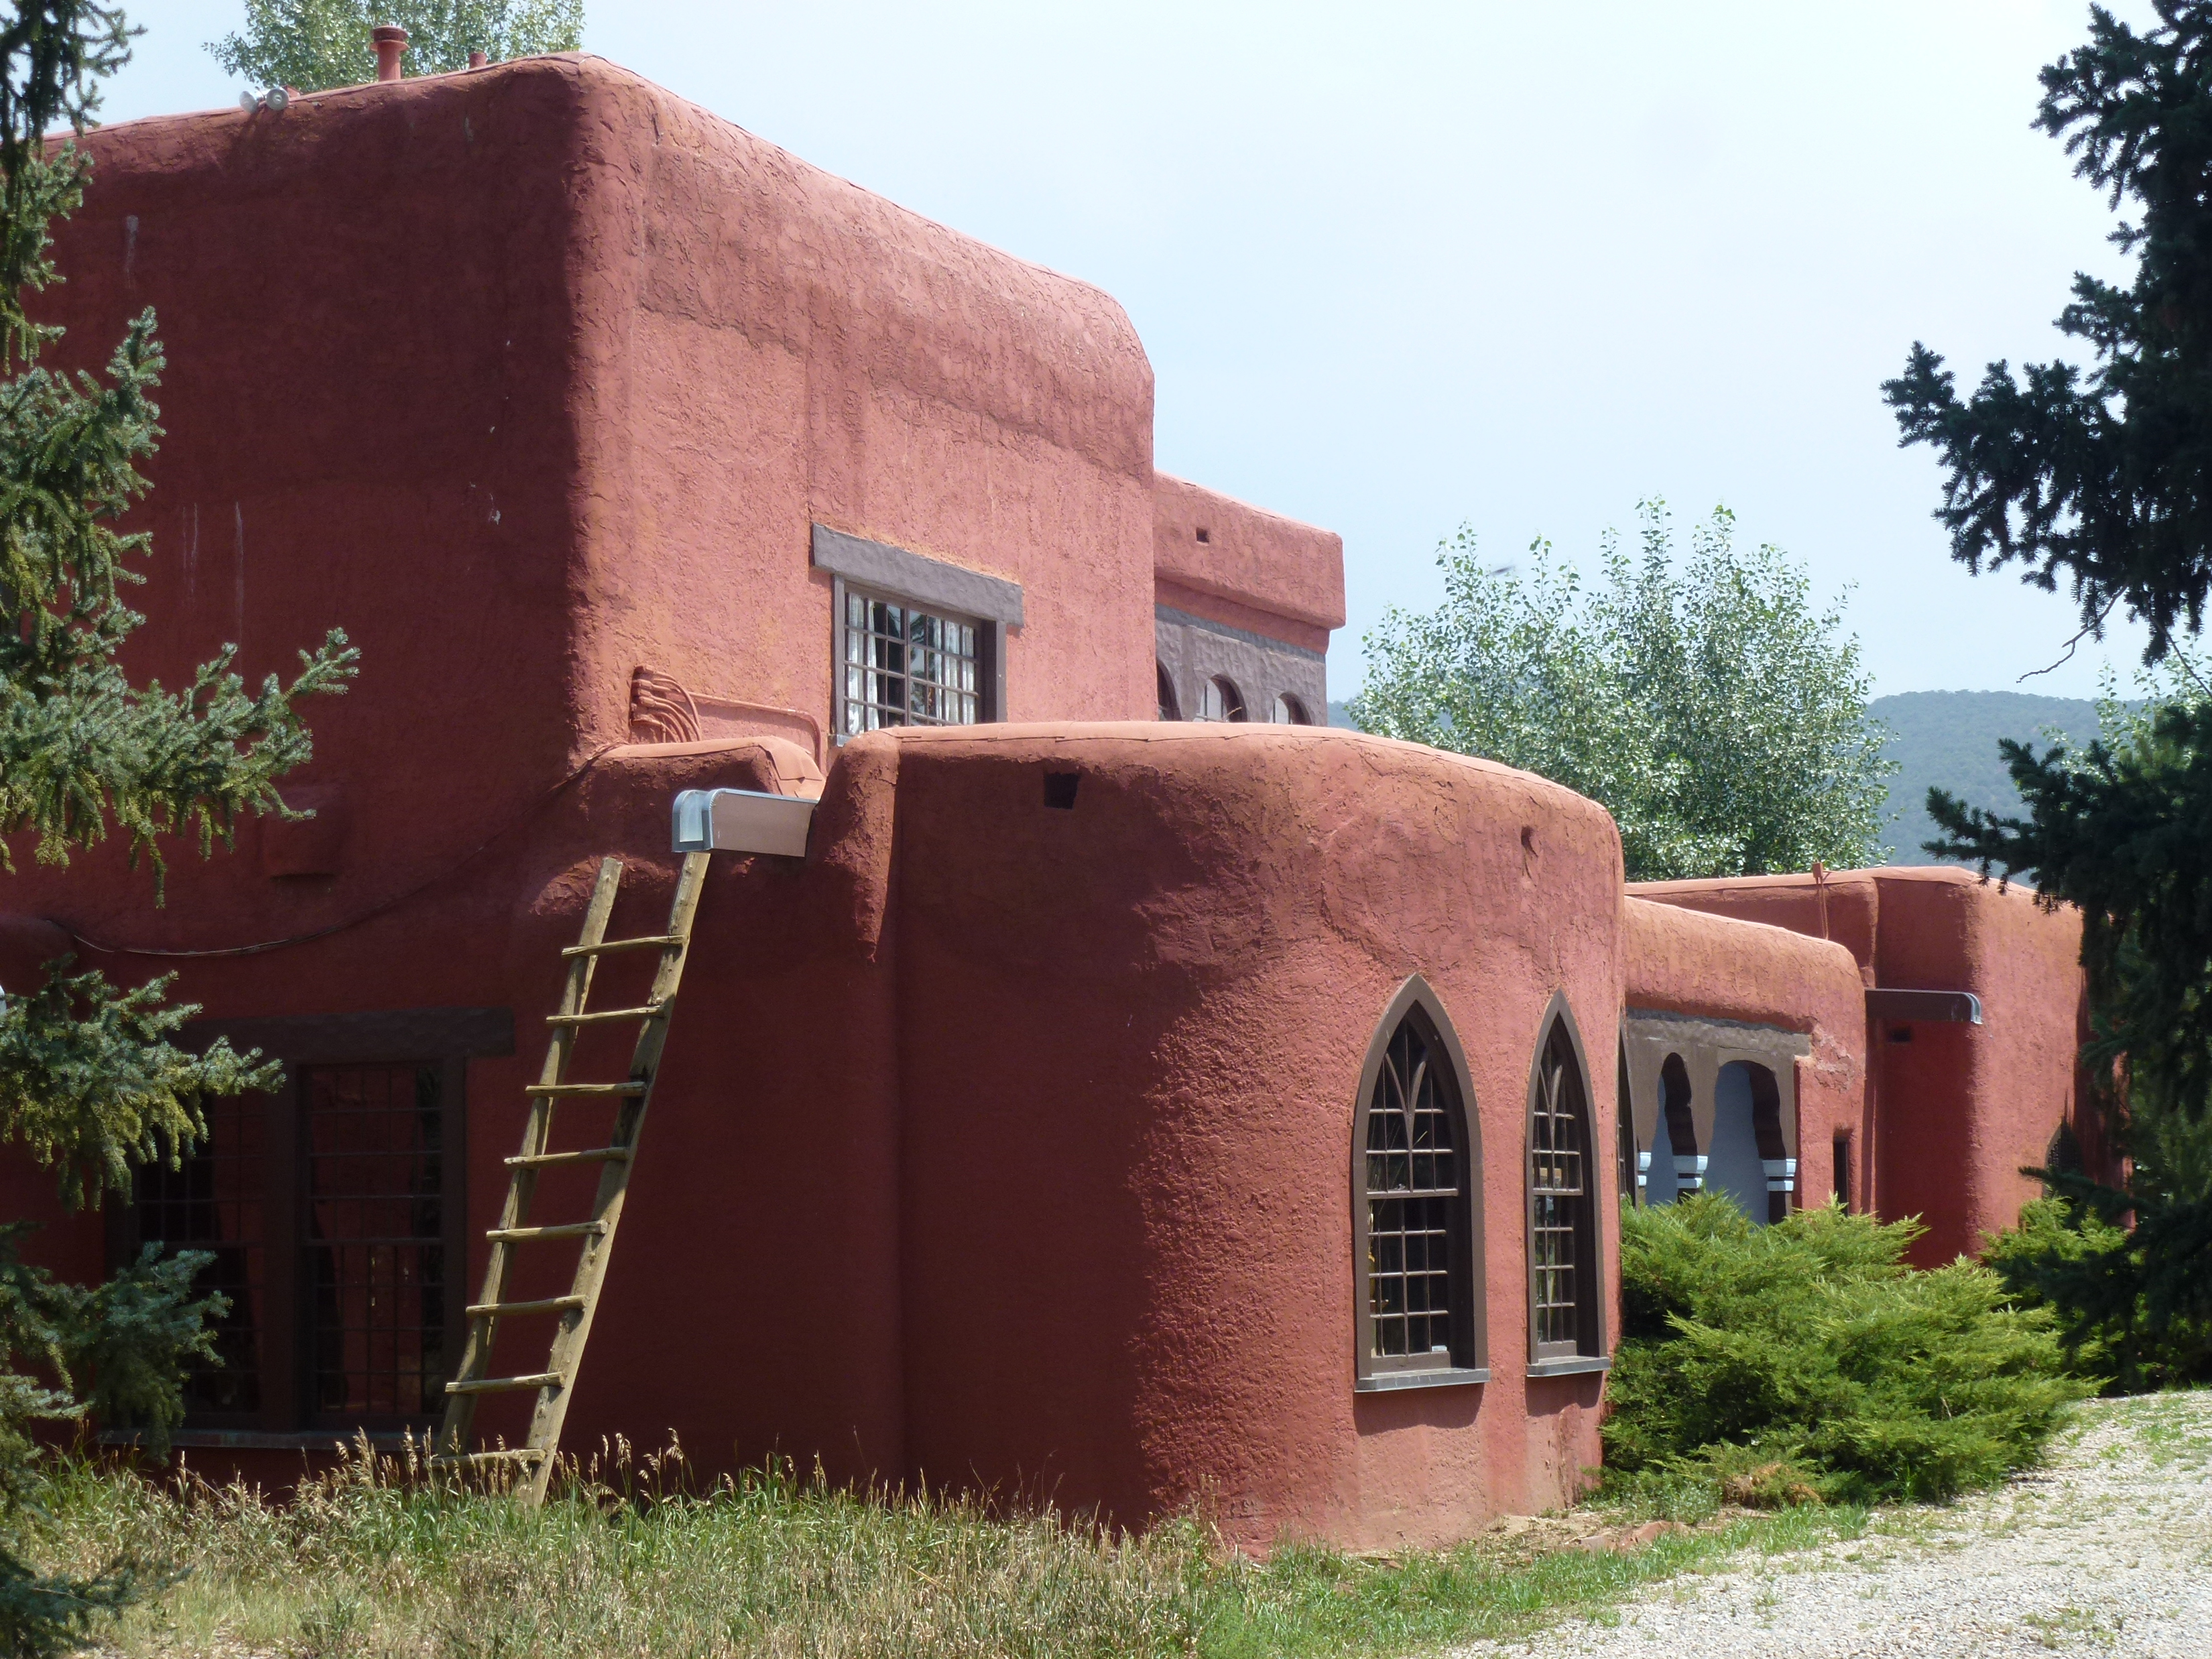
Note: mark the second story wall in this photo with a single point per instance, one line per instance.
(764, 348)
(1244, 601)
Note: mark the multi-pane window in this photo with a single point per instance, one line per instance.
(375, 1246)
(212, 1201)
(907, 666)
(1414, 1179)
(332, 1210)
(1562, 1253)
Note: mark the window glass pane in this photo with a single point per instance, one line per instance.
(1557, 1201)
(918, 668)
(374, 1254)
(1415, 1205)
(212, 1202)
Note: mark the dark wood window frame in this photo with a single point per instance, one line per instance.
(1587, 1350)
(1470, 1357)
(443, 1040)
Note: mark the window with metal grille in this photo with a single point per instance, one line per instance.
(1414, 1165)
(1563, 1266)
(333, 1210)
(904, 665)
(375, 1258)
(212, 1202)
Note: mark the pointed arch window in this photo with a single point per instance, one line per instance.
(1566, 1324)
(1417, 1184)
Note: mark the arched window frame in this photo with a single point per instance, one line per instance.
(1470, 1357)
(1588, 1352)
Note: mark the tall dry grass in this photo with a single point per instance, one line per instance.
(631, 1558)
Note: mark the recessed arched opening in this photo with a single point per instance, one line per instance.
(1170, 705)
(1289, 711)
(1750, 1160)
(1676, 1166)
(1219, 699)
(1566, 1291)
(1417, 1202)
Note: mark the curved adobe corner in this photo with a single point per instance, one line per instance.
(1177, 978)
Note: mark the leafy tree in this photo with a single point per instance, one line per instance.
(89, 1079)
(2102, 478)
(1710, 708)
(314, 45)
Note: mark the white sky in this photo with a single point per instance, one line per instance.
(1400, 266)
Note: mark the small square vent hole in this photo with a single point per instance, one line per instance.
(1060, 790)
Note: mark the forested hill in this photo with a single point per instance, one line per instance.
(1950, 739)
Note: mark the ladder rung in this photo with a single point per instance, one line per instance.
(506, 1384)
(553, 1160)
(661, 941)
(506, 1454)
(655, 1011)
(559, 1230)
(544, 1305)
(585, 1089)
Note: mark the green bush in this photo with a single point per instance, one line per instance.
(1806, 1359)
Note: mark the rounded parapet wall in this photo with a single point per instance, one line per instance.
(1141, 970)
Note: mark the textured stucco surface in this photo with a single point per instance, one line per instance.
(1178, 979)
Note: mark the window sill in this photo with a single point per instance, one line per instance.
(1390, 1382)
(1578, 1364)
(257, 1440)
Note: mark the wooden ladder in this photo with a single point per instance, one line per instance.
(596, 1233)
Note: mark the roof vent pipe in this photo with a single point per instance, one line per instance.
(390, 41)
(477, 60)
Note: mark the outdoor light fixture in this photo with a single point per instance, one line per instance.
(742, 821)
(274, 101)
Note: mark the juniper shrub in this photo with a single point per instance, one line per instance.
(1806, 1359)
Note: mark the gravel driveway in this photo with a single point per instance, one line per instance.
(2107, 1550)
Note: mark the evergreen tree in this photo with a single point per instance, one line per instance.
(1710, 706)
(90, 1081)
(2101, 479)
(311, 45)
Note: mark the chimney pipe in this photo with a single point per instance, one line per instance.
(390, 41)
(477, 60)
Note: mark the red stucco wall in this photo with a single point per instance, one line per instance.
(1255, 569)
(1686, 962)
(1176, 981)
(1959, 1110)
(1003, 1144)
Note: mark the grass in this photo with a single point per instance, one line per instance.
(368, 1562)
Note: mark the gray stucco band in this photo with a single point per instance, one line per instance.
(905, 576)
(1192, 650)
(1169, 613)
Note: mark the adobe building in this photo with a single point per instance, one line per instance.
(1137, 1092)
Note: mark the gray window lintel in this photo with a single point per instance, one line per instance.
(912, 576)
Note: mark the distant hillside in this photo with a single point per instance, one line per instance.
(1949, 739)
